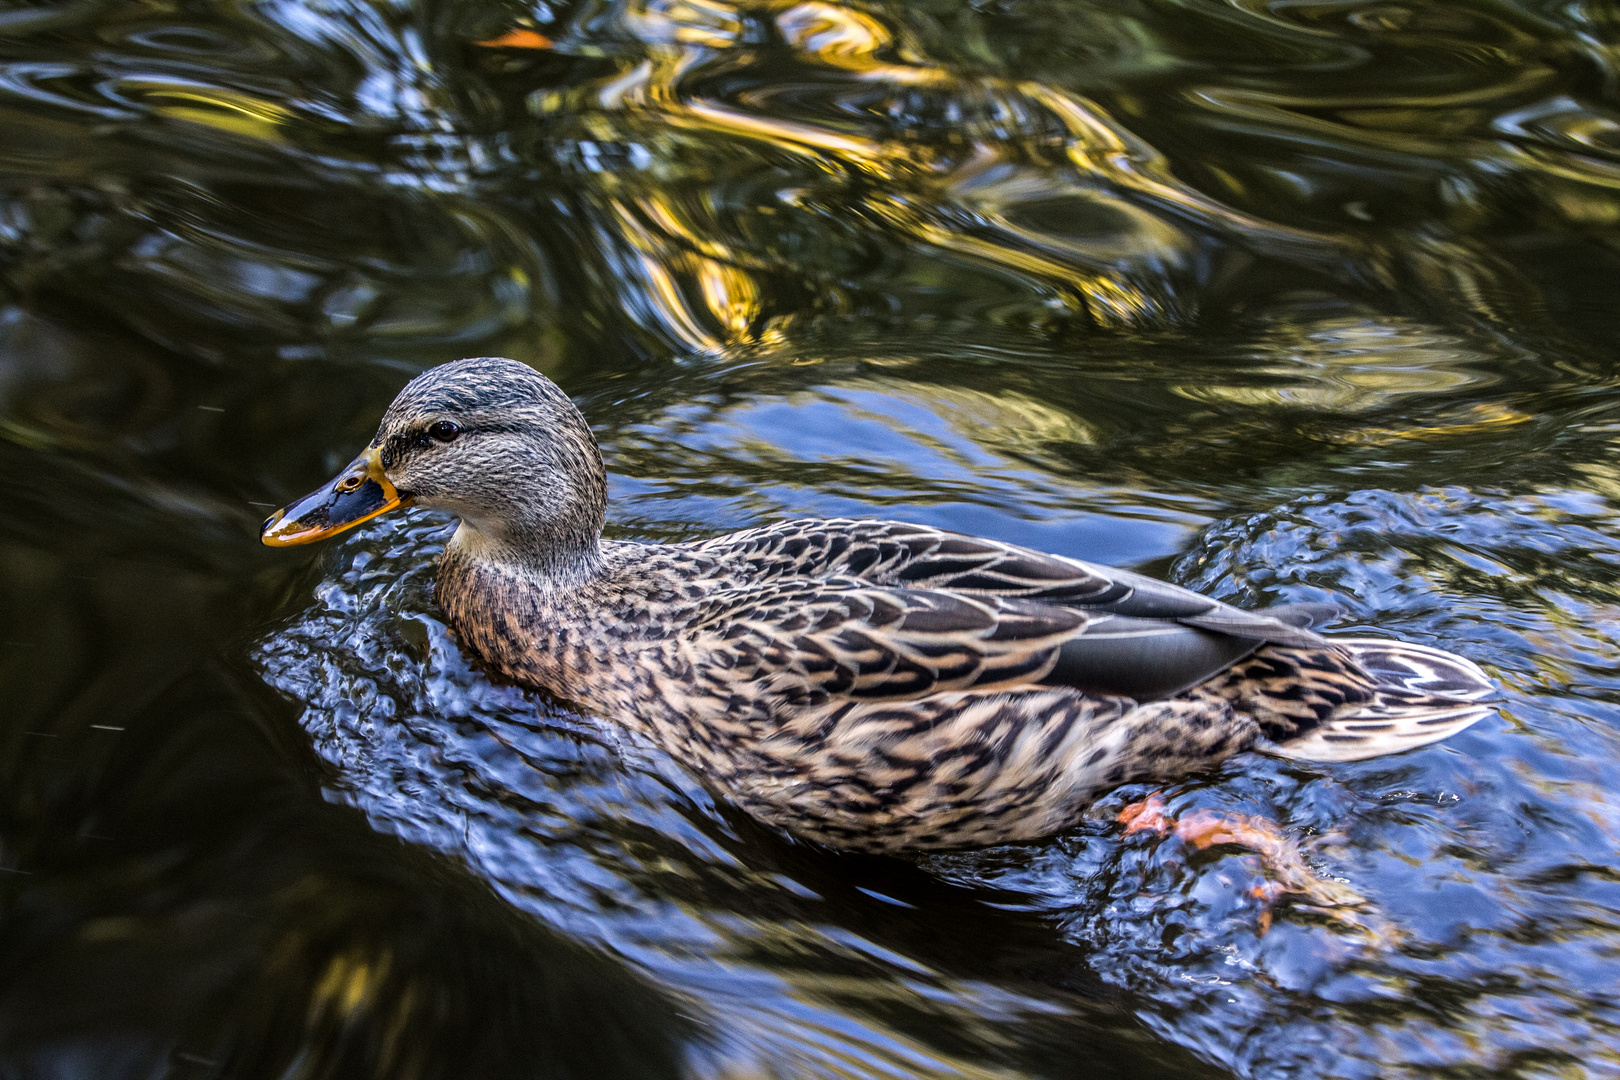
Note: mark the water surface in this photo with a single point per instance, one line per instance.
(1285, 301)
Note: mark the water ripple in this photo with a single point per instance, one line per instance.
(1474, 882)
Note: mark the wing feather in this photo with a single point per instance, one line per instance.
(844, 637)
(870, 642)
(918, 557)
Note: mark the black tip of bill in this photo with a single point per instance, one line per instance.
(357, 494)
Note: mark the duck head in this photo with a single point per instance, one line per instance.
(493, 442)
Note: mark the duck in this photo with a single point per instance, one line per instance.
(868, 685)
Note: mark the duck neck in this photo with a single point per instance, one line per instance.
(553, 538)
(544, 558)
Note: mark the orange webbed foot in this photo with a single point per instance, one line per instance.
(1280, 856)
(1146, 814)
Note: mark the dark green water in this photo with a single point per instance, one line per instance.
(1286, 301)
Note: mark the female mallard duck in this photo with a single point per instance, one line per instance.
(869, 684)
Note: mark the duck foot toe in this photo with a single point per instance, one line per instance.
(1146, 814)
(1281, 861)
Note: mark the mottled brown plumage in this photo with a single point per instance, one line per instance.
(872, 685)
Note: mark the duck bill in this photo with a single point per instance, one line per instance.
(357, 494)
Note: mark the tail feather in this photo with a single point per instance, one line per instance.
(1422, 695)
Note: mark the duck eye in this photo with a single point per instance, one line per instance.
(444, 431)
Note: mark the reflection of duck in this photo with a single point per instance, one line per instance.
(868, 684)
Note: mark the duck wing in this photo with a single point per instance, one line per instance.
(811, 641)
(909, 556)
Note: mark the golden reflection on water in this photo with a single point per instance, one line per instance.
(709, 132)
(234, 112)
(1349, 364)
(1020, 155)
(1005, 422)
(350, 984)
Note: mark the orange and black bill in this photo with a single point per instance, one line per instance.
(358, 493)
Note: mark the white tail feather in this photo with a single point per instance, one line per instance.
(1425, 695)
